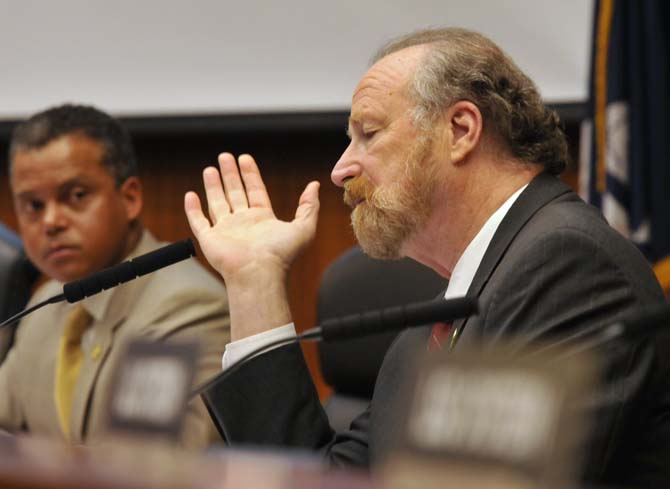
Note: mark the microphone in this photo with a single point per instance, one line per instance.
(111, 277)
(366, 323)
(128, 270)
(392, 319)
(654, 320)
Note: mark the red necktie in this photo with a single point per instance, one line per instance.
(440, 335)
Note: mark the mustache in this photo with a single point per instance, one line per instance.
(356, 190)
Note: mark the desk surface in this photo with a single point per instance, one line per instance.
(28, 463)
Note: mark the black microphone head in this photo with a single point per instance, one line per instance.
(91, 285)
(73, 291)
(398, 317)
(189, 246)
(128, 270)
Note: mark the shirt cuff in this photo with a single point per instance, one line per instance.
(237, 349)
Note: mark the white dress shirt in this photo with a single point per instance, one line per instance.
(458, 286)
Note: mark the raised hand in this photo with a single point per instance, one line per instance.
(243, 239)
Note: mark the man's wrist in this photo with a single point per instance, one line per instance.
(258, 306)
(238, 349)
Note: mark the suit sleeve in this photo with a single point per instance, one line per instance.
(272, 401)
(11, 414)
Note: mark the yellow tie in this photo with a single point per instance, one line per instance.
(68, 364)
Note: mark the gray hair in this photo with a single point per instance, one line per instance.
(464, 65)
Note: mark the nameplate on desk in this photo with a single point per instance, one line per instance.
(151, 388)
(500, 417)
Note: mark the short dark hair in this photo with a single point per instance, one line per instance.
(48, 125)
(465, 65)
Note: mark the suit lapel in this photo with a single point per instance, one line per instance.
(98, 354)
(540, 191)
(120, 304)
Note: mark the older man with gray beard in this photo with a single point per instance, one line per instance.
(452, 162)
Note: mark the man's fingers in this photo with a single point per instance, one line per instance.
(257, 194)
(235, 192)
(217, 204)
(196, 219)
(308, 206)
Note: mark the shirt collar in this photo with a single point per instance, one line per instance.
(468, 263)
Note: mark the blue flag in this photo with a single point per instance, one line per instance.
(625, 153)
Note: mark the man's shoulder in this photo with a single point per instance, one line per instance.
(548, 204)
(38, 326)
(185, 277)
(568, 230)
(568, 210)
(183, 282)
(569, 216)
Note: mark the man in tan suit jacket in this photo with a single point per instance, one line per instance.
(77, 199)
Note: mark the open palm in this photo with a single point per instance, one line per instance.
(242, 234)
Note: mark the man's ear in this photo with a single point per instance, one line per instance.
(131, 194)
(465, 125)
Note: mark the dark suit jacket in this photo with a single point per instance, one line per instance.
(553, 268)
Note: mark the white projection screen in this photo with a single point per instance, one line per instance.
(157, 58)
